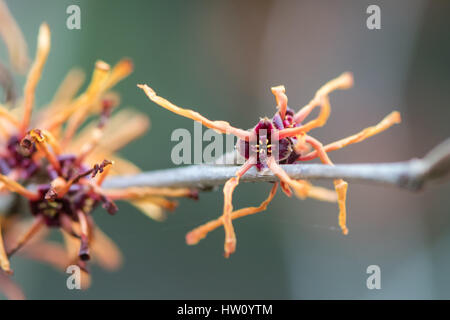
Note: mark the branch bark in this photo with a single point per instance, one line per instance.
(411, 175)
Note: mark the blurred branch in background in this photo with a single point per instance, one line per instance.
(411, 175)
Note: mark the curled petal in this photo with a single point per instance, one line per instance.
(150, 209)
(281, 99)
(4, 261)
(105, 252)
(387, 122)
(343, 82)
(194, 236)
(7, 115)
(14, 39)
(48, 252)
(120, 71)
(82, 105)
(63, 96)
(219, 126)
(144, 192)
(43, 48)
(339, 184)
(122, 128)
(27, 235)
(13, 186)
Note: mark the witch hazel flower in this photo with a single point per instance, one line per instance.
(282, 139)
(56, 158)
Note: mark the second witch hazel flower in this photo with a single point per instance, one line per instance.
(282, 140)
(59, 169)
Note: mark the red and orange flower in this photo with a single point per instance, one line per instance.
(59, 169)
(284, 139)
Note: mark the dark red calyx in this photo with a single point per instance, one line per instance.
(265, 142)
(16, 157)
(51, 207)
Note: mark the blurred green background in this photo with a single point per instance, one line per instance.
(221, 58)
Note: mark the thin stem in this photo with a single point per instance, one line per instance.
(412, 174)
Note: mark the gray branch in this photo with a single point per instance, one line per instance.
(411, 175)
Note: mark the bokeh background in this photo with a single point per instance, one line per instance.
(221, 58)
